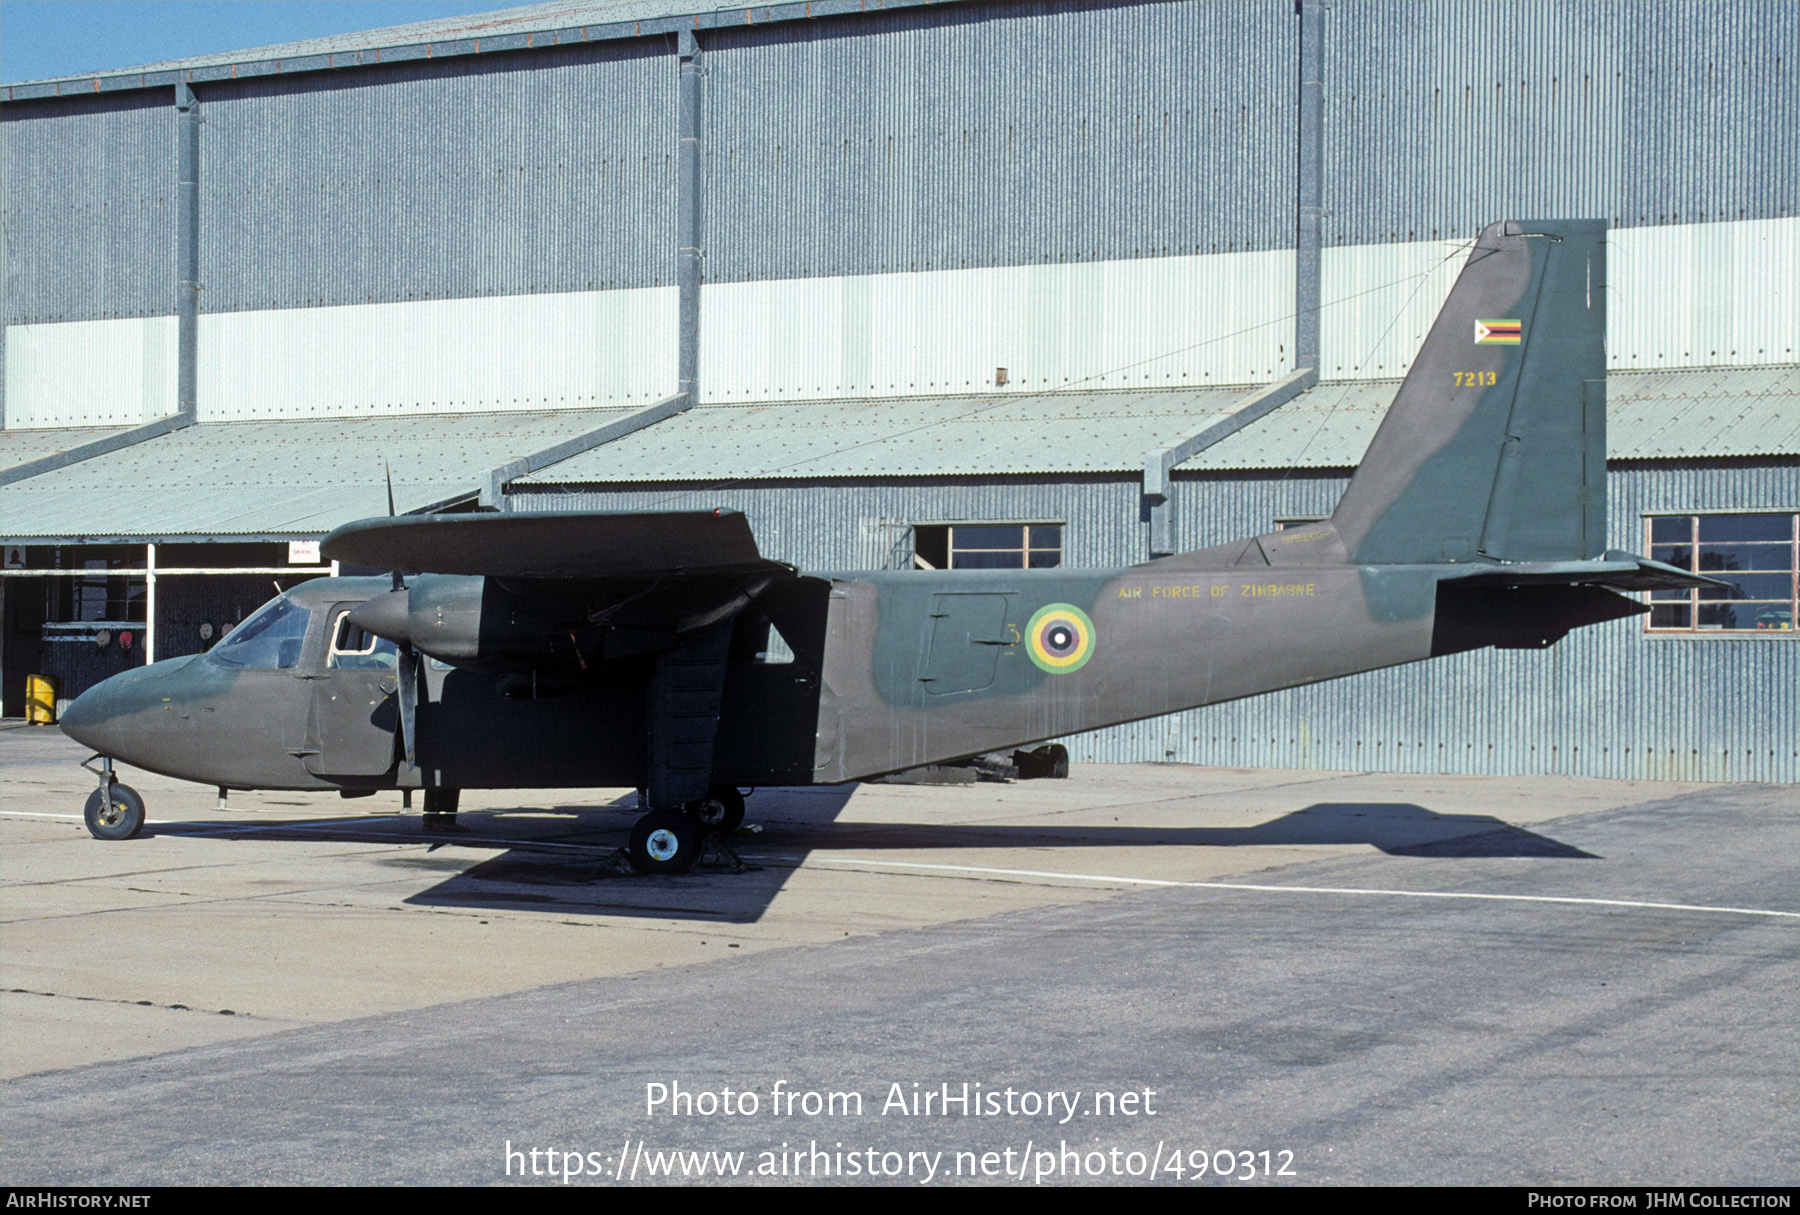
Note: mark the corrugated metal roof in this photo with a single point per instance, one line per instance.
(994, 434)
(1724, 411)
(1650, 415)
(23, 446)
(524, 19)
(273, 478)
(1327, 427)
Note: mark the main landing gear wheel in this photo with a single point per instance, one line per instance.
(721, 811)
(1050, 761)
(115, 816)
(665, 841)
(440, 811)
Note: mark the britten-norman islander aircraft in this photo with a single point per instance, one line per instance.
(663, 651)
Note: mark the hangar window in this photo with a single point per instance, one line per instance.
(1755, 554)
(97, 595)
(987, 546)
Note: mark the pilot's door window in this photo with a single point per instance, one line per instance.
(356, 649)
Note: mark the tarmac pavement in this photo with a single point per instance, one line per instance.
(1349, 977)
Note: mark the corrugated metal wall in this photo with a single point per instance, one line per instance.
(90, 373)
(87, 185)
(1680, 295)
(902, 201)
(1152, 322)
(959, 136)
(999, 134)
(580, 350)
(1607, 701)
(1637, 111)
(1707, 295)
(544, 171)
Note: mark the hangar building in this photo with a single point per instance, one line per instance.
(912, 284)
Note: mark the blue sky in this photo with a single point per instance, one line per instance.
(40, 39)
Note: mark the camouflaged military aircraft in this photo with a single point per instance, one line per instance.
(663, 651)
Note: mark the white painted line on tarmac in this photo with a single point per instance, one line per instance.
(1411, 894)
(309, 825)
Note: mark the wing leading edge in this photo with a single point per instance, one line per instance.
(587, 546)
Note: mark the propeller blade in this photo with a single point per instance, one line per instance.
(409, 704)
(389, 470)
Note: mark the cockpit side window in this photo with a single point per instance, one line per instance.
(270, 640)
(355, 649)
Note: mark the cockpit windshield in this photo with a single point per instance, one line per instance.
(269, 640)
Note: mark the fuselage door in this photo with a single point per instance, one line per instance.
(355, 713)
(964, 642)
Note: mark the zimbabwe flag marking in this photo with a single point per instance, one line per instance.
(1498, 333)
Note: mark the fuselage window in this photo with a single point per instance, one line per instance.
(355, 649)
(270, 640)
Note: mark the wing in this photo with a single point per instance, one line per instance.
(602, 545)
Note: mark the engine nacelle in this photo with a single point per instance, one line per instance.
(476, 623)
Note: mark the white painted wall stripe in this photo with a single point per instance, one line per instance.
(1690, 295)
(1155, 322)
(575, 350)
(90, 373)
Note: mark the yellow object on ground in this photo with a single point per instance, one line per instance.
(40, 700)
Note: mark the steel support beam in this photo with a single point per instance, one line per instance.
(1309, 200)
(187, 251)
(149, 603)
(94, 447)
(690, 206)
(1159, 487)
(493, 490)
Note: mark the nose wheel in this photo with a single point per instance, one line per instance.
(114, 813)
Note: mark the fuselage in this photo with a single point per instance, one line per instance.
(879, 672)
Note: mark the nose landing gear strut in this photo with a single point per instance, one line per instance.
(114, 811)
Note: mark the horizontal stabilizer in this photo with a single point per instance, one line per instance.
(610, 545)
(1615, 570)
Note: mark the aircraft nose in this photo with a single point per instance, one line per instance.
(89, 718)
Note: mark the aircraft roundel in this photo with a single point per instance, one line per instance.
(1060, 638)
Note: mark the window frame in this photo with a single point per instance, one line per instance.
(340, 623)
(1693, 628)
(1026, 548)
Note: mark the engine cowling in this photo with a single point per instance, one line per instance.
(476, 623)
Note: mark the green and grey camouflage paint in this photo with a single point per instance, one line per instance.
(622, 646)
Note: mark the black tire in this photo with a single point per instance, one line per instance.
(722, 810)
(1048, 762)
(120, 820)
(664, 841)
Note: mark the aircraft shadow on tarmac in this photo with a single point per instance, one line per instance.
(566, 859)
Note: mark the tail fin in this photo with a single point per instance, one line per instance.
(1495, 447)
